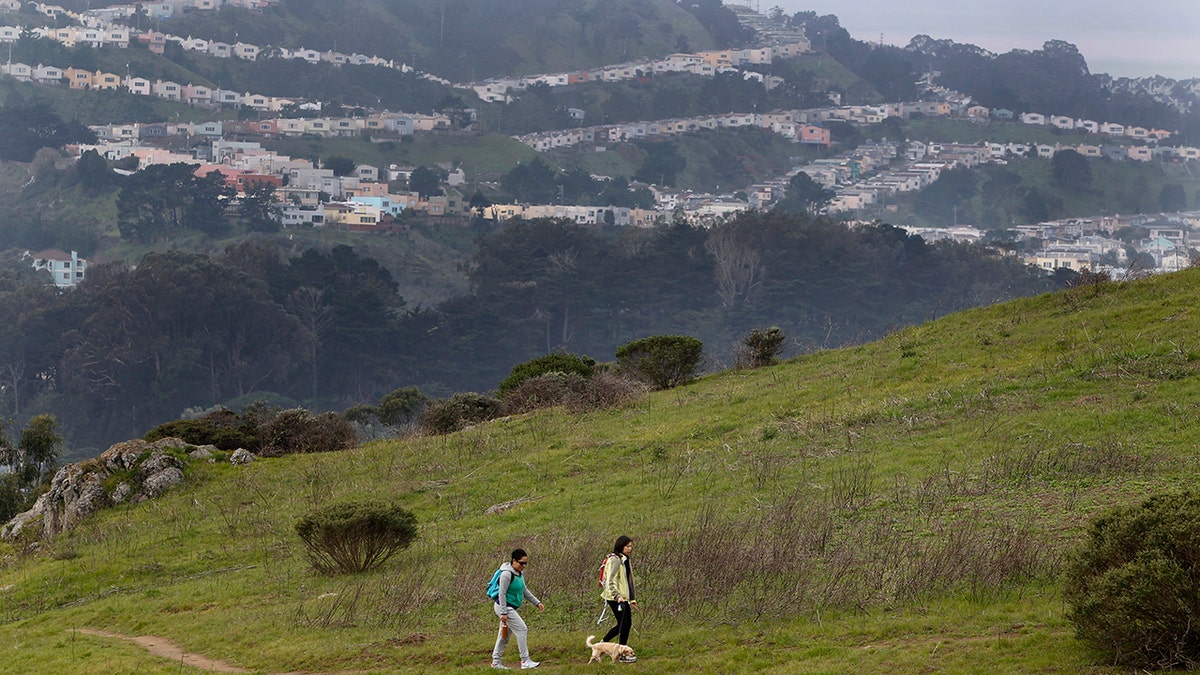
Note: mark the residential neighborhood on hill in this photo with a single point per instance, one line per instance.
(862, 178)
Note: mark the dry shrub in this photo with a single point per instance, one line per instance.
(458, 412)
(300, 431)
(542, 391)
(798, 555)
(576, 393)
(604, 390)
(760, 348)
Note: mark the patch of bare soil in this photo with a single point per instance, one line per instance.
(169, 650)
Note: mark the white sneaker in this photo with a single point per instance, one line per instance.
(526, 665)
(500, 666)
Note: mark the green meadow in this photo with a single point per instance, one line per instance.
(901, 506)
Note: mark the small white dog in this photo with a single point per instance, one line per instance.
(612, 649)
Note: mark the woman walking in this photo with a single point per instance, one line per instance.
(618, 592)
(507, 590)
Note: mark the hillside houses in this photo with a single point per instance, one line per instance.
(779, 122)
(1086, 243)
(705, 63)
(382, 124)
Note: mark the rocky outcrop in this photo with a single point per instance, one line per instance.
(130, 471)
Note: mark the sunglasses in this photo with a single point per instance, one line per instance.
(522, 563)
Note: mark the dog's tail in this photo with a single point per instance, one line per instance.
(589, 639)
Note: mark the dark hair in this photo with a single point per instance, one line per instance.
(518, 553)
(619, 547)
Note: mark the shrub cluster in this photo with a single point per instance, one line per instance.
(760, 348)
(458, 412)
(300, 431)
(355, 537)
(558, 362)
(542, 391)
(222, 427)
(1134, 588)
(401, 406)
(262, 429)
(662, 361)
(574, 392)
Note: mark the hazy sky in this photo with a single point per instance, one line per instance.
(1122, 39)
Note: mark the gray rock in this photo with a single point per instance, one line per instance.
(159, 482)
(241, 456)
(120, 493)
(77, 490)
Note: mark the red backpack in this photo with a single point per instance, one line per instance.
(604, 567)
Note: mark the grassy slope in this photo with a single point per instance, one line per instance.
(902, 506)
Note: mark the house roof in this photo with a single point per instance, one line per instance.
(51, 254)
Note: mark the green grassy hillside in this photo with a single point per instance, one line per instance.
(901, 506)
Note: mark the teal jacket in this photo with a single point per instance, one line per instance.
(512, 587)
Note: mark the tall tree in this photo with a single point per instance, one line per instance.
(258, 209)
(1172, 197)
(805, 195)
(1071, 170)
(425, 182)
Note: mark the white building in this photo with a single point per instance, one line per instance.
(67, 270)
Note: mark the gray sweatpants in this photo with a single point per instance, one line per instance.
(517, 627)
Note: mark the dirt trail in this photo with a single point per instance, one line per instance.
(167, 649)
(163, 647)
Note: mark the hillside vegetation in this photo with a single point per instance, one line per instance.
(900, 506)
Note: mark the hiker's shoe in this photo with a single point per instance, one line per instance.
(627, 659)
(500, 666)
(526, 665)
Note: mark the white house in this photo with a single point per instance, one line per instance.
(67, 270)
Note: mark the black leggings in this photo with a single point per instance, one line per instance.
(624, 618)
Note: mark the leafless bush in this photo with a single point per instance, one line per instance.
(300, 431)
(760, 348)
(576, 393)
(605, 390)
(543, 391)
(799, 555)
(701, 564)
(852, 485)
(1074, 461)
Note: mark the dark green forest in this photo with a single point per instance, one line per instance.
(136, 346)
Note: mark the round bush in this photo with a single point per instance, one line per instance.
(355, 536)
(662, 361)
(1134, 588)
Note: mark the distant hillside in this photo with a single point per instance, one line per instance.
(464, 39)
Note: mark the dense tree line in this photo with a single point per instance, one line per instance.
(136, 346)
(26, 128)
